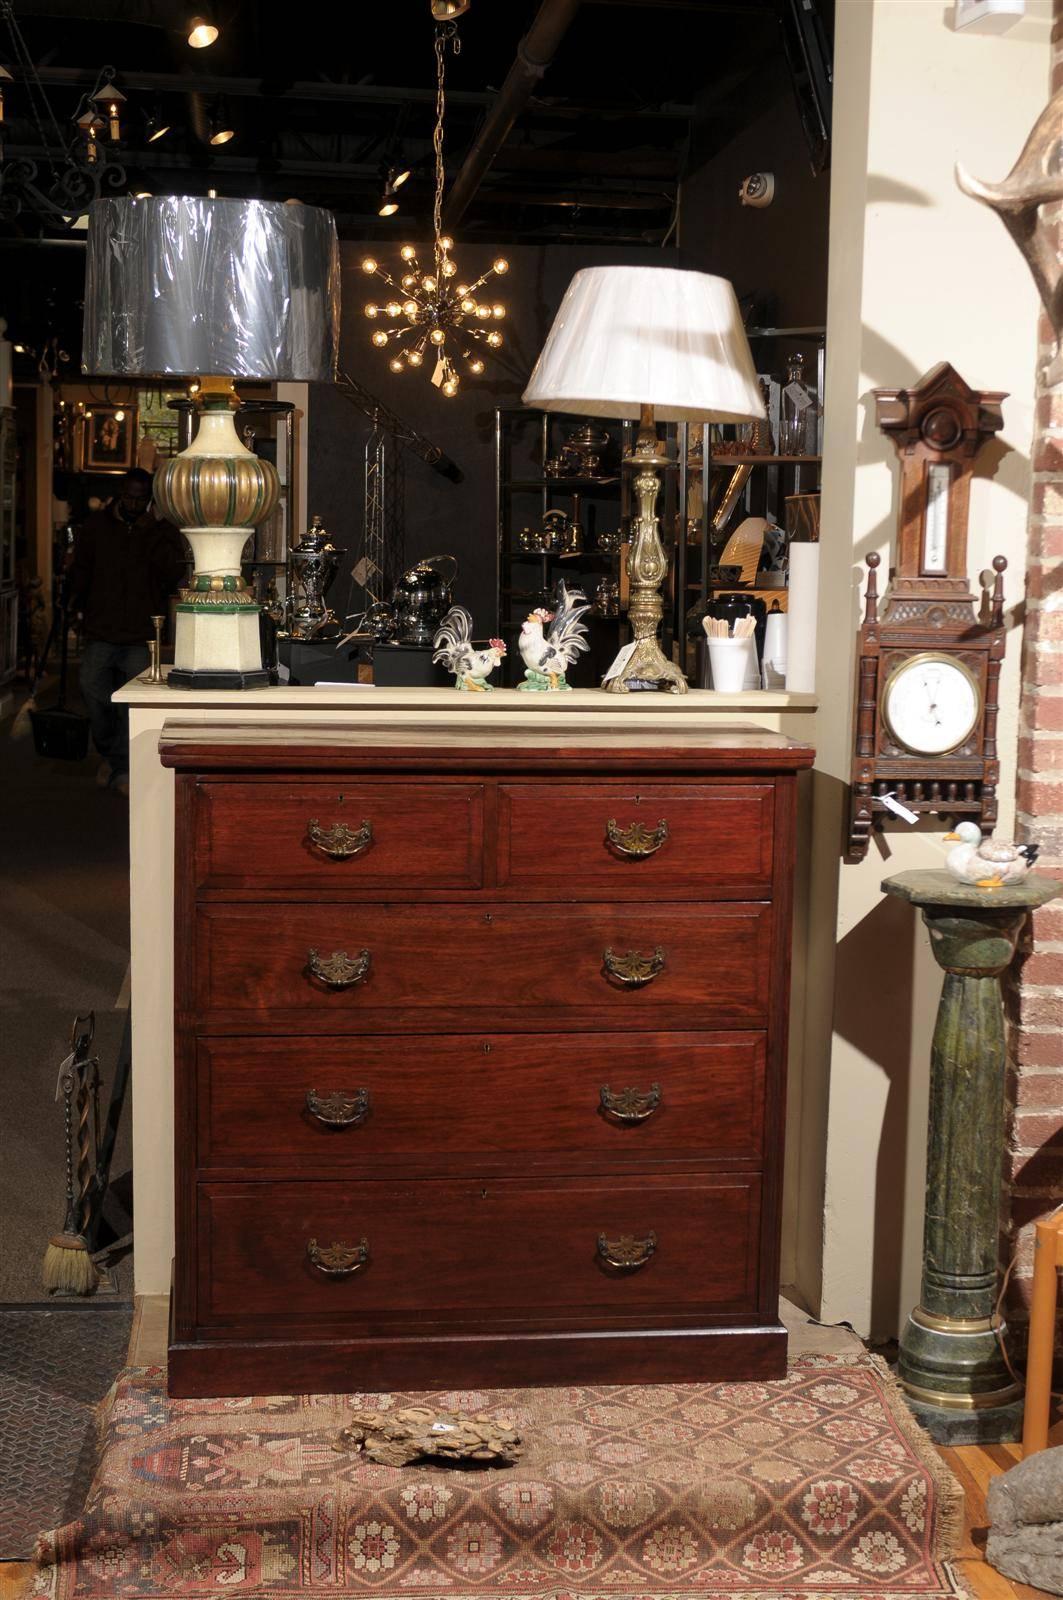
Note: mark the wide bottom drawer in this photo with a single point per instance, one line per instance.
(315, 1251)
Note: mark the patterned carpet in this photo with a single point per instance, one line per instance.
(55, 1367)
(819, 1485)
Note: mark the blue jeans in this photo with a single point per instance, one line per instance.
(104, 668)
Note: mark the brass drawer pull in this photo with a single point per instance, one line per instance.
(630, 1105)
(636, 841)
(339, 841)
(633, 970)
(340, 1109)
(338, 1260)
(627, 1253)
(339, 970)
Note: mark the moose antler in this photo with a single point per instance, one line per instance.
(1034, 181)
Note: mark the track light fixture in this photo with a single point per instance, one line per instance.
(448, 10)
(202, 31)
(221, 123)
(155, 124)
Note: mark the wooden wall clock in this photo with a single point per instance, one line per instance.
(928, 668)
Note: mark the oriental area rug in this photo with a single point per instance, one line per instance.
(820, 1484)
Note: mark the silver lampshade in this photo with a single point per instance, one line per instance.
(178, 286)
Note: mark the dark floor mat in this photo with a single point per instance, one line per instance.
(55, 1365)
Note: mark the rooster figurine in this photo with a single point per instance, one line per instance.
(550, 641)
(454, 648)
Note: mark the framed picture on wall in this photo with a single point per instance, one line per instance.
(108, 438)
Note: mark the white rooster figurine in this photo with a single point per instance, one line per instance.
(454, 648)
(550, 641)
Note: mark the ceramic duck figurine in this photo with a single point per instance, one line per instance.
(454, 648)
(550, 641)
(987, 863)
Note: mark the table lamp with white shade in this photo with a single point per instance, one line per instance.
(655, 344)
(213, 290)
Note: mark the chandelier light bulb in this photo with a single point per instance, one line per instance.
(450, 388)
(368, 264)
(500, 266)
(498, 310)
(461, 289)
(415, 358)
(380, 338)
(448, 268)
(412, 310)
(446, 242)
(409, 280)
(393, 308)
(372, 310)
(396, 363)
(437, 336)
(483, 312)
(430, 285)
(494, 339)
(476, 366)
(408, 253)
(468, 305)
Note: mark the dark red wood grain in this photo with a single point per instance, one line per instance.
(514, 1103)
(486, 1028)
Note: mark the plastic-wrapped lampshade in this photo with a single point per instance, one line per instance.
(179, 286)
(625, 337)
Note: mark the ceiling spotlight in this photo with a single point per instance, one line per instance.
(201, 31)
(447, 10)
(221, 123)
(388, 205)
(155, 125)
(397, 176)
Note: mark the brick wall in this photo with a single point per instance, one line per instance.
(1035, 1000)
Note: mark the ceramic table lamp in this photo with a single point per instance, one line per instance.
(654, 344)
(212, 290)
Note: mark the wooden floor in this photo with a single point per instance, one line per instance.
(974, 1465)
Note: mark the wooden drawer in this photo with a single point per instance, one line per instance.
(481, 962)
(484, 1247)
(651, 840)
(370, 835)
(518, 1103)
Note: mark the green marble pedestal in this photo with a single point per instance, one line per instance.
(950, 1363)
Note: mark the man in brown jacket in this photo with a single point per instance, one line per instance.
(127, 563)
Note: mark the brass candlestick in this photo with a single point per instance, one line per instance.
(647, 567)
(155, 646)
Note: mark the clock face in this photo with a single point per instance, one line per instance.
(931, 703)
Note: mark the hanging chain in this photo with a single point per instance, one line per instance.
(446, 34)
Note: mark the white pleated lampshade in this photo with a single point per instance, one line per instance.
(626, 337)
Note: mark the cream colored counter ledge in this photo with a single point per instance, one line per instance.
(151, 846)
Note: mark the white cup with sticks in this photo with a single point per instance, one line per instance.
(732, 654)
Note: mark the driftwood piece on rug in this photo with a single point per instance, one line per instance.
(396, 1438)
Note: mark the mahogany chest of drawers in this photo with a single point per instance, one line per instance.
(480, 1057)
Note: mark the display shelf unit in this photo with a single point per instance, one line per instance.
(706, 476)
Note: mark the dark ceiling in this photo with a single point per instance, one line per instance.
(325, 97)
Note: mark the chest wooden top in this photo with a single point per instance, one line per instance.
(237, 746)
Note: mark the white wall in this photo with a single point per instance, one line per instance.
(918, 274)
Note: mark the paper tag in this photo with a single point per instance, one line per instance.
(439, 374)
(622, 659)
(898, 810)
(798, 396)
(64, 1067)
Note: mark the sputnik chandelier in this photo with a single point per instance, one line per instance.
(438, 313)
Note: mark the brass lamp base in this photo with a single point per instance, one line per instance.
(647, 667)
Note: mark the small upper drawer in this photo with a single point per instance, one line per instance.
(671, 841)
(348, 836)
